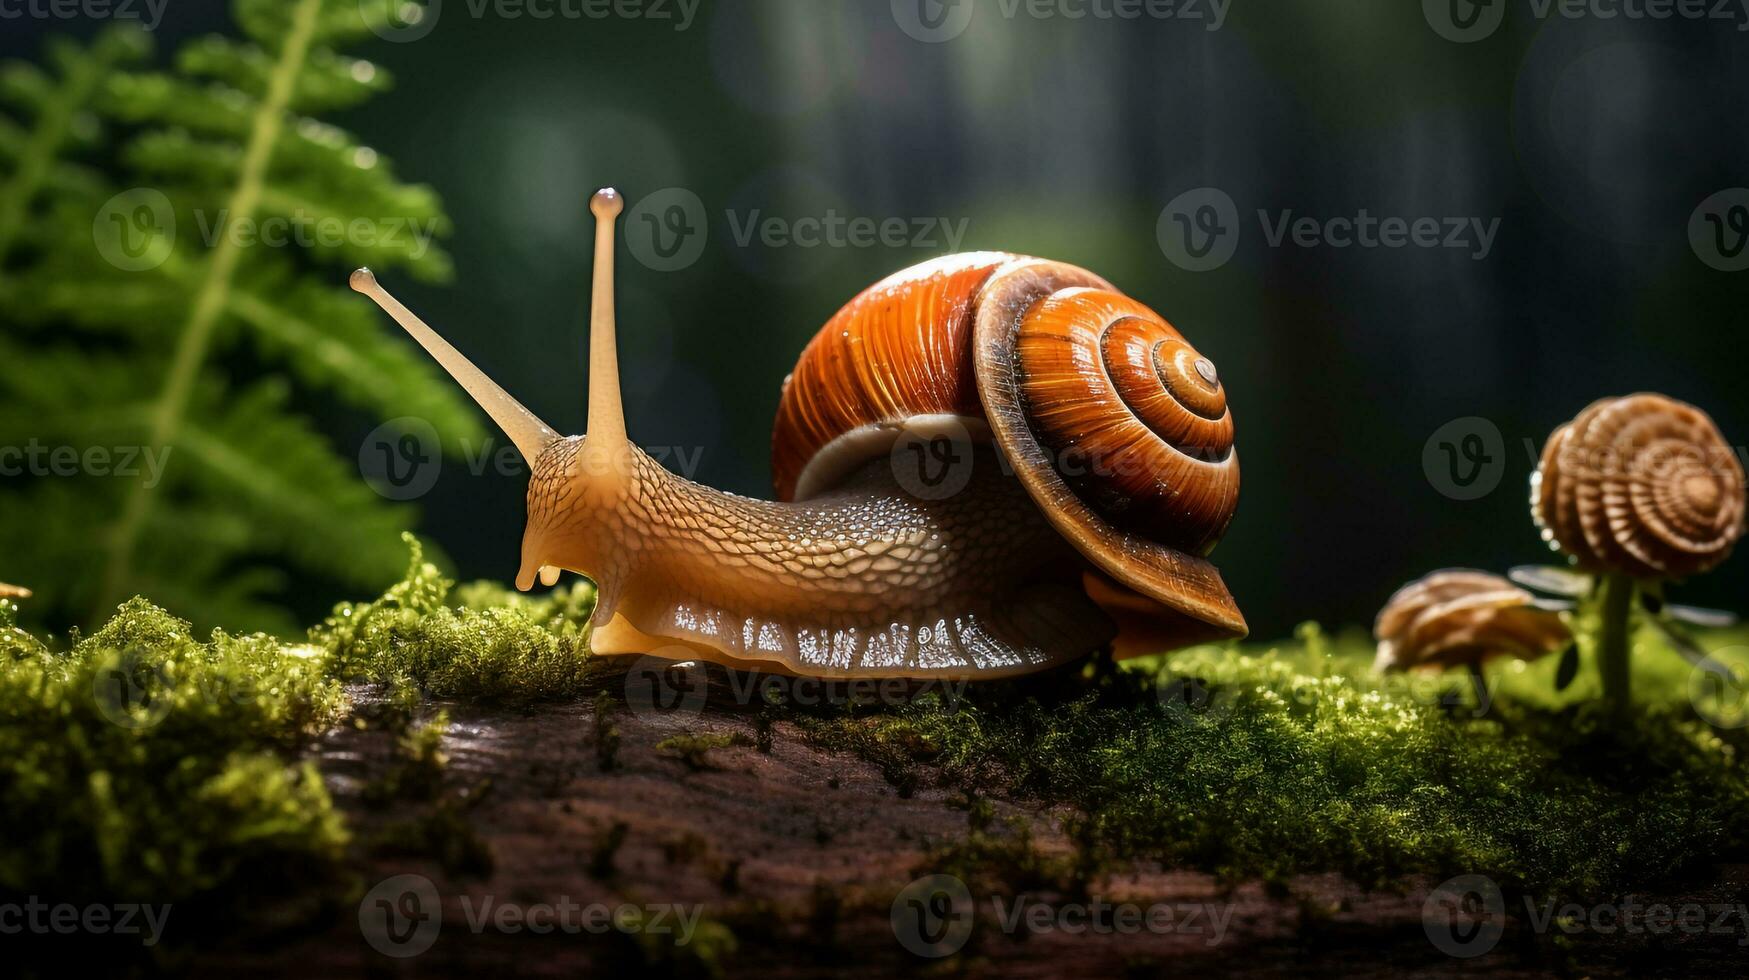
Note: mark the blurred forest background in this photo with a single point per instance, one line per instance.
(1592, 141)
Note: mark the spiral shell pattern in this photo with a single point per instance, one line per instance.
(1458, 617)
(1114, 425)
(1642, 485)
(1136, 419)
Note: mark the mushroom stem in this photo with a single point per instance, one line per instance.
(1616, 610)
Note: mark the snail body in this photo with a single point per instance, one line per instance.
(1002, 366)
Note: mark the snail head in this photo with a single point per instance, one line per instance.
(580, 487)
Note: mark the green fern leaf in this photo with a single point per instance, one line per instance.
(244, 496)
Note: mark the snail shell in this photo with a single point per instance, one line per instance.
(1114, 424)
(1456, 617)
(1642, 485)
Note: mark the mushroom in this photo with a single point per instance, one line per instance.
(1637, 491)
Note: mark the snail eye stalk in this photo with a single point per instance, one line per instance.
(607, 422)
(524, 428)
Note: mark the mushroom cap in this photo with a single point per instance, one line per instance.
(1460, 616)
(1642, 485)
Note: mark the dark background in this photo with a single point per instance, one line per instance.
(1591, 139)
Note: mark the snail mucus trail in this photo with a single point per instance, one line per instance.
(865, 580)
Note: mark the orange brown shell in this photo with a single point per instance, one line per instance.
(1643, 486)
(1459, 617)
(1116, 426)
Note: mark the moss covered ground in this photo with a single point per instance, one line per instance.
(146, 764)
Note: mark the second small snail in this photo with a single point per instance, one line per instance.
(1098, 473)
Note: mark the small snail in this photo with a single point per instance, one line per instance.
(1098, 471)
(1461, 618)
(1637, 490)
(13, 591)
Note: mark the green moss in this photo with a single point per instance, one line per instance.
(417, 772)
(145, 765)
(606, 732)
(704, 953)
(1273, 761)
(496, 648)
(694, 749)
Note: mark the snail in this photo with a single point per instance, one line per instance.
(1461, 617)
(1090, 449)
(13, 591)
(1636, 490)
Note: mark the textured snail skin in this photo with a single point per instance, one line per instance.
(1460, 617)
(866, 581)
(1643, 486)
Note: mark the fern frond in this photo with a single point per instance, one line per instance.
(333, 341)
(329, 81)
(71, 396)
(211, 110)
(119, 356)
(58, 109)
(252, 456)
